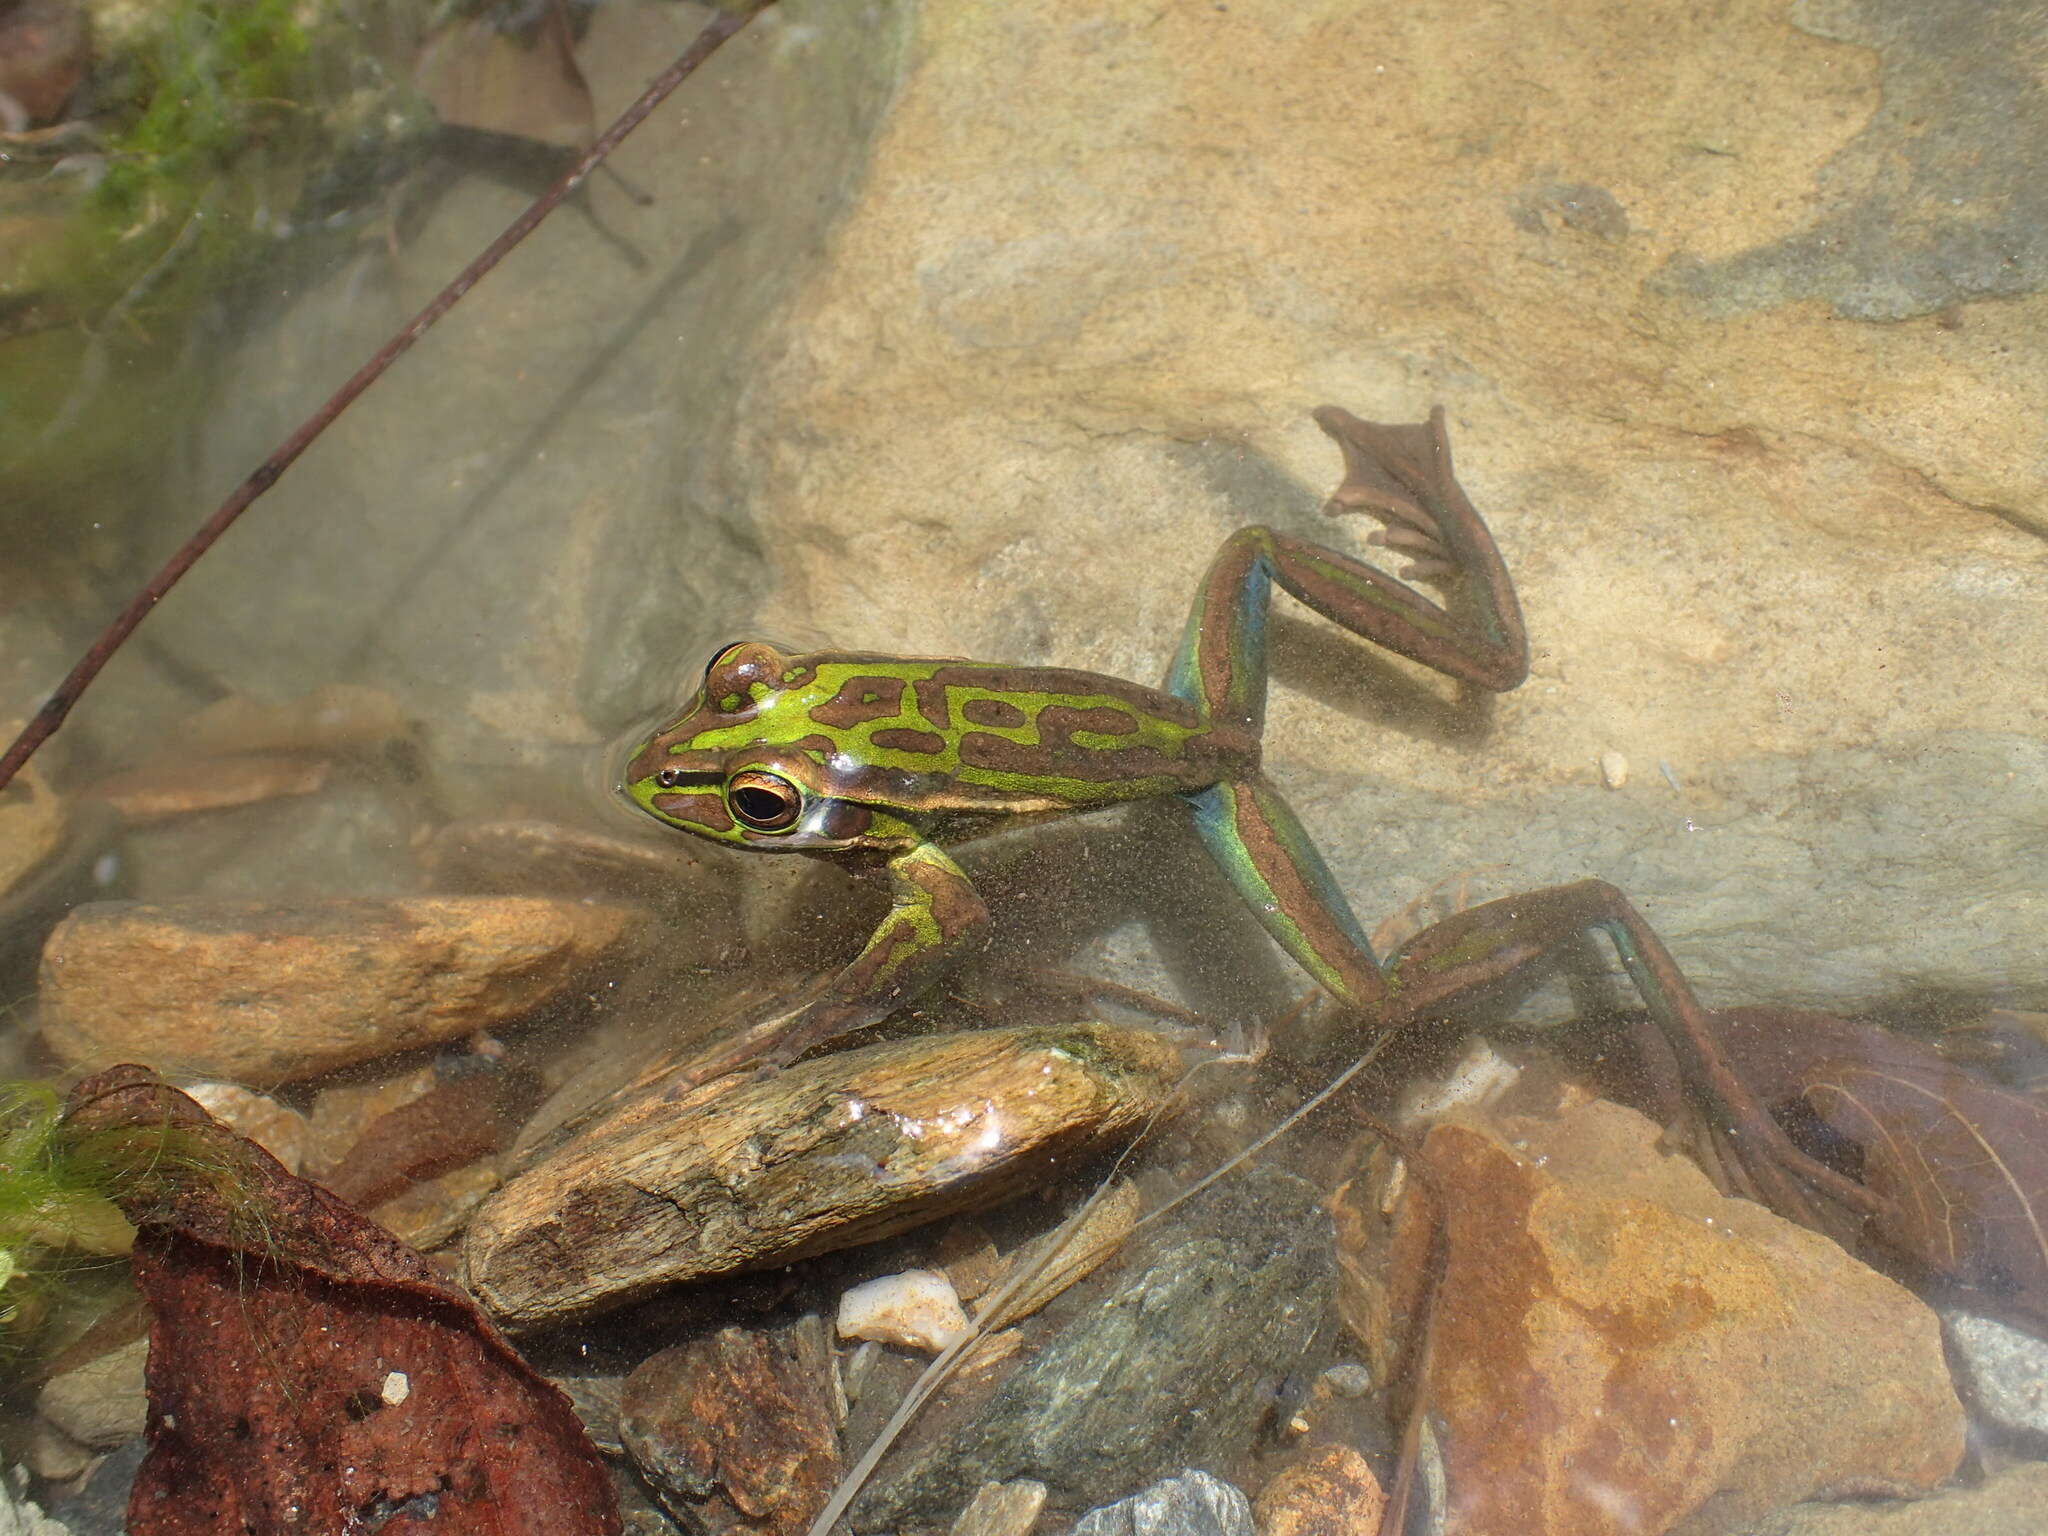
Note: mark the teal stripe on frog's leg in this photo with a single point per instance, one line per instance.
(1221, 663)
(1259, 844)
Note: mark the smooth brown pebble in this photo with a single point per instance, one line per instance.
(268, 992)
(1001, 1509)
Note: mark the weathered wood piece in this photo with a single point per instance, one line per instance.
(824, 1155)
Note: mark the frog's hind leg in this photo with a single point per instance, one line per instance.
(1402, 476)
(1255, 839)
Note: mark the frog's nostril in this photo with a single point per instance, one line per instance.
(667, 778)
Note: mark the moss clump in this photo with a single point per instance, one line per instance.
(58, 1222)
(215, 80)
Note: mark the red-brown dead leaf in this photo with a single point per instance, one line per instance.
(310, 1373)
(1961, 1163)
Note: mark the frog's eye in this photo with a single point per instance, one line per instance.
(764, 802)
(717, 656)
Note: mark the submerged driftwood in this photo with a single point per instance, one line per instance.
(839, 1151)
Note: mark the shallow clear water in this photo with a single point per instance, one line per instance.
(975, 330)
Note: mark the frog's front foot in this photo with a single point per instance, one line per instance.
(762, 1047)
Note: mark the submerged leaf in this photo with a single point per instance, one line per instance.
(308, 1371)
(1959, 1165)
(451, 1125)
(1962, 1165)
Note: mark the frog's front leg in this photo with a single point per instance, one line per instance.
(934, 911)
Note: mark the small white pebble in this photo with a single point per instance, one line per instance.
(397, 1388)
(1480, 1078)
(917, 1308)
(1613, 769)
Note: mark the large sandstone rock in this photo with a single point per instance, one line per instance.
(971, 327)
(1618, 1348)
(1700, 289)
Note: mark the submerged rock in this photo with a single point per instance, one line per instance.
(917, 1309)
(1002, 1509)
(2004, 1373)
(1668, 1354)
(102, 1402)
(1168, 1361)
(737, 1432)
(1193, 1504)
(1329, 1492)
(32, 821)
(270, 992)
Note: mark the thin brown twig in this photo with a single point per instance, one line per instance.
(46, 720)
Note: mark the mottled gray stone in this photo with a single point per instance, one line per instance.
(2004, 1372)
(1941, 198)
(1193, 1504)
(1169, 1361)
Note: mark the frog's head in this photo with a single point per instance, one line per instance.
(747, 763)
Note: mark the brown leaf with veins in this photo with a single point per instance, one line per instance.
(310, 1373)
(1961, 1163)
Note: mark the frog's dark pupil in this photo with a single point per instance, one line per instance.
(762, 807)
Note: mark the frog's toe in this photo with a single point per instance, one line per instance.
(1429, 560)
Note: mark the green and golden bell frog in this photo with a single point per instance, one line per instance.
(881, 758)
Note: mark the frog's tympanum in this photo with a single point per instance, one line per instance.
(885, 758)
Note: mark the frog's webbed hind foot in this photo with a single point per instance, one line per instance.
(1402, 476)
